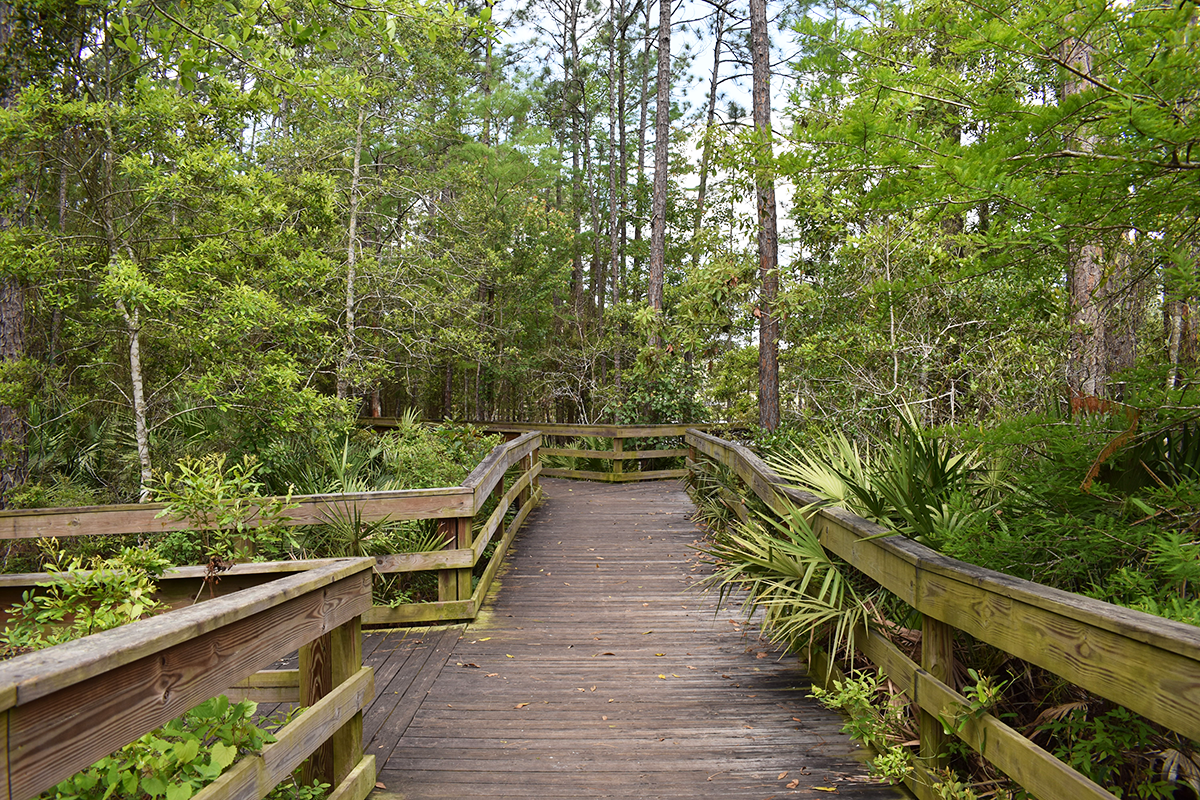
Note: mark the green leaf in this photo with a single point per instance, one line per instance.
(223, 755)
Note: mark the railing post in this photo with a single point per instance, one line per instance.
(316, 681)
(618, 462)
(937, 658)
(327, 662)
(346, 662)
(455, 584)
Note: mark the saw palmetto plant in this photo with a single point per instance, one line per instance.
(803, 594)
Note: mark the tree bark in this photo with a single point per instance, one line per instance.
(710, 116)
(644, 103)
(348, 346)
(13, 427)
(1087, 355)
(662, 142)
(768, 237)
(616, 16)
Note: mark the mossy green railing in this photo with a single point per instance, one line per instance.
(456, 508)
(1145, 663)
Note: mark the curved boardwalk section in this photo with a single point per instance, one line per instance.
(598, 673)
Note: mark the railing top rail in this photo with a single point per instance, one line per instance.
(28, 677)
(1146, 663)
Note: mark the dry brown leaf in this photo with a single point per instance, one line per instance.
(520, 705)
(782, 775)
(794, 784)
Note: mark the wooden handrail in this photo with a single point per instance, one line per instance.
(67, 706)
(1143, 662)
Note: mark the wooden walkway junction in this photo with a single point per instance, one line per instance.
(597, 670)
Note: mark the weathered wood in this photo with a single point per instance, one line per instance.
(510, 710)
(489, 573)
(254, 776)
(1148, 664)
(34, 675)
(310, 510)
(614, 477)
(618, 461)
(415, 613)
(346, 660)
(490, 471)
(419, 562)
(316, 681)
(937, 658)
(1011, 752)
(268, 686)
(625, 455)
(106, 690)
(518, 489)
(358, 784)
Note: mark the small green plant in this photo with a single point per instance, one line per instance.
(225, 508)
(875, 722)
(178, 759)
(78, 598)
(1110, 748)
(982, 696)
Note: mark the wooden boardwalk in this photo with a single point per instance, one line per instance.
(597, 673)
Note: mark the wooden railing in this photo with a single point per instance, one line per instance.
(456, 508)
(617, 456)
(68, 706)
(1147, 664)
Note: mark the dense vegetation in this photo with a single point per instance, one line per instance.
(229, 228)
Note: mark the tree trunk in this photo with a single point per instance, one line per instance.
(662, 143)
(616, 17)
(1087, 355)
(709, 117)
(349, 353)
(768, 238)
(644, 102)
(13, 427)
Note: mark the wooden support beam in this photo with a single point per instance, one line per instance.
(937, 658)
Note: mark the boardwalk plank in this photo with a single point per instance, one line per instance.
(598, 671)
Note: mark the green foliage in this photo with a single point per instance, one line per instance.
(874, 721)
(804, 594)
(81, 598)
(908, 479)
(179, 759)
(224, 506)
(1109, 748)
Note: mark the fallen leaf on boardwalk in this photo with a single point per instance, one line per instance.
(761, 655)
(598, 654)
(468, 665)
(660, 655)
(664, 677)
(520, 705)
(484, 639)
(506, 655)
(647, 633)
(782, 775)
(794, 784)
(593, 688)
(491, 674)
(604, 717)
(825, 789)
(379, 785)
